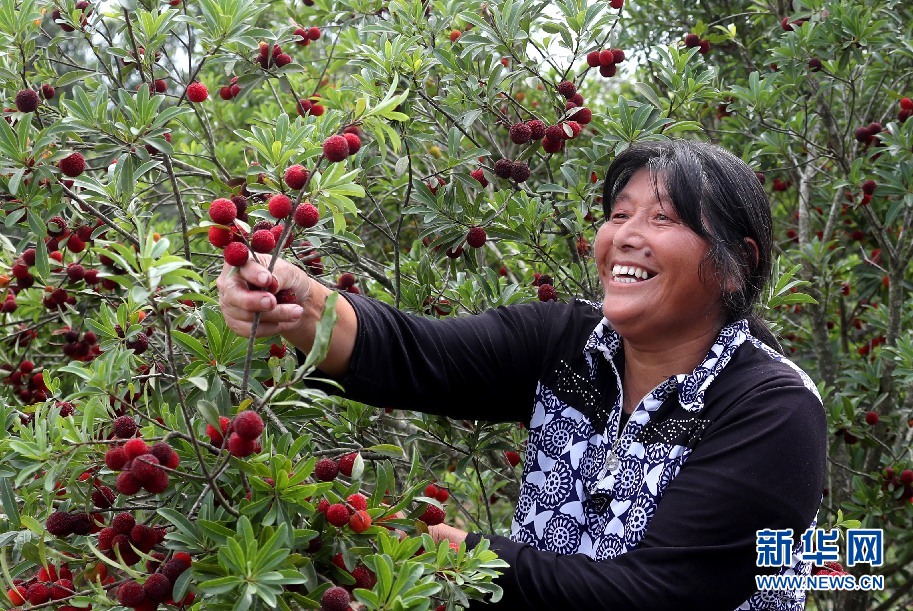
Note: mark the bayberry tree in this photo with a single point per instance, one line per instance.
(445, 159)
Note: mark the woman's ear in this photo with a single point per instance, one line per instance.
(750, 249)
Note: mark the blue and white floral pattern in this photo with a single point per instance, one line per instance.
(564, 505)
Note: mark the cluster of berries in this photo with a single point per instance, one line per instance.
(28, 383)
(306, 35)
(82, 5)
(243, 433)
(545, 291)
(338, 147)
(230, 90)
(516, 170)
(693, 40)
(346, 282)
(906, 109)
(606, 60)
(48, 585)
(353, 513)
(62, 524)
(274, 57)
(310, 106)
(157, 588)
(125, 537)
(141, 466)
(867, 135)
(892, 483)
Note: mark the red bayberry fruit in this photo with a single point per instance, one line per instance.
(263, 241)
(906, 476)
(248, 424)
(335, 599)
(433, 515)
(27, 101)
(869, 186)
(59, 524)
(479, 175)
(512, 457)
(354, 142)
(583, 115)
(364, 577)
(336, 148)
(131, 594)
(906, 104)
(520, 133)
(503, 168)
(223, 211)
(214, 435)
(442, 495)
(127, 484)
(314, 33)
(236, 254)
(197, 92)
(692, 40)
(145, 469)
(476, 237)
(296, 176)
(124, 427)
(871, 418)
(338, 514)
(616, 4)
(358, 501)
(360, 521)
(279, 205)
(123, 523)
(326, 470)
(277, 350)
(72, 165)
(38, 593)
(134, 448)
(537, 129)
(348, 460)
(520, 171)
(115, 459)
(220, 237)
(240, 447)
(157, 588)
(306, 215)
(17, 595)
(547, 292)
(454, 35)
(606, 58)
(592, 59)
(165, 454)
(567, 89)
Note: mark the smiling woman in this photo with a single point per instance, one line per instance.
(665, 428)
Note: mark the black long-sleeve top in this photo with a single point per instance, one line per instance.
(705, 461)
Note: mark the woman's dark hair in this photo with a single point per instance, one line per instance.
(719, 198)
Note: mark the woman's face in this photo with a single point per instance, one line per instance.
(648, 262)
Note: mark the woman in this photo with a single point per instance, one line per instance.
(665, 429)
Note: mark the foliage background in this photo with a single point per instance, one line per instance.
(432, 107)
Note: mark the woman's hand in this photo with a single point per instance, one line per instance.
(239, 301)
(445, 532)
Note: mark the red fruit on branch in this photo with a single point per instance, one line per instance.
(279, 206)
(336, 148)
(592, 59)
(567, 89)
(124, 427)
(248, 424)
(354, 142)
(433, 515)
(326, 470)
(476, 237)
(214, 435)
(347, 461)
(871, 418)
(479, 175)
(537, 129)
(520, 171)
(520, 133)
(131, 594)
(59, 524)
(236, 254)
(240, 447)
(338, 514)
(27, 101)
(296, 177)
(73, 165)
(197, 92)
(223, 211)
(262, 241)
(360, 521)
(335, 599)
(513, 458)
